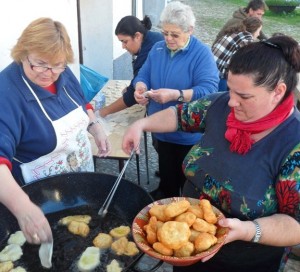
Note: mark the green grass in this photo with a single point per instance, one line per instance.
(292, 18)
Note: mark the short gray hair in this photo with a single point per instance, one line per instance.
(179, 14)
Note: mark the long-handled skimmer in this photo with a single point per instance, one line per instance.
(103, 210)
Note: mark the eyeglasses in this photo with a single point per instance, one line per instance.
(173, 35)
(42, 69)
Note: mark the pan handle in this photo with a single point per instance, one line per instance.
(134, 268)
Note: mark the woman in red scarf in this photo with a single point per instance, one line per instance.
(248, 161)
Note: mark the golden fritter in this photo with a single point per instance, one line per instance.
(151, 229)
(194, 235)
(79, 218)
(131, 249)
(174, 234)
(103, 240)
(159, 212)
(187, 217)
(204, 241)
(208, 213)
(114, 266)
(79, 228)
(203, 226)
(197, 210)
(119, 246)
(119, 232)
(185, 251)
(175, 208)
(162, 249)
(6, 266)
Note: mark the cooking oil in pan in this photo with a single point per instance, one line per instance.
(68, 247)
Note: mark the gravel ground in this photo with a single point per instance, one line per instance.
(207, 27)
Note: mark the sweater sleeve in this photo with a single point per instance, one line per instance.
(288, 185)
(6, 162)
(206, 74)
(128, 96)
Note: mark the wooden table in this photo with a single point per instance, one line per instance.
(116, 124)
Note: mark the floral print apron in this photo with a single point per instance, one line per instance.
(73, 149)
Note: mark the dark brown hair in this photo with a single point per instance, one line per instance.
(129, 25)
(269, 62)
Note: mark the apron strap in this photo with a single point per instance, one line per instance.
(39, 102)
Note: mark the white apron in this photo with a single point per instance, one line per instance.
(73, 151)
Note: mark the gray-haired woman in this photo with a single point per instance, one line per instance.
(178, 69)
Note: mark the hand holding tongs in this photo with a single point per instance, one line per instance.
(104, 208)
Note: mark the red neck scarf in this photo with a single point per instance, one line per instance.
(239, 133)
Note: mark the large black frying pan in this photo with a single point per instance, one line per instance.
(77, 193)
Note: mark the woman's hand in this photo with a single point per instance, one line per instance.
(33, 223)
(238, 230)
(139, 94)
(101, 140)
(163, 95)
(132, 137)
(30, 217)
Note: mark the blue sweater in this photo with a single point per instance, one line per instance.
(25, 132)
(150, 39)
(191, 68)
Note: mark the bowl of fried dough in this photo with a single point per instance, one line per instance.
(179, 230)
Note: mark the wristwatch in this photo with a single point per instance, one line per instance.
(180, 98)
(257, 235)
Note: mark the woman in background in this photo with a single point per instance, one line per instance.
(179, 69)
(137, 39)
(235, 38)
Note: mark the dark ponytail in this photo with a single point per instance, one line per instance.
(129, 25)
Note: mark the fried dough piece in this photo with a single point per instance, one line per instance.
(120, 231)
(159, 212)
(17, 238)
(79, 228)
(79, 218)
(123, 247)
(194, 235)
(6, 266)
(89, 259)
(113, 266)
(175, 208)
(11, 252)
(151, 229)
(158, 233)
(185, 251)
(204, 241)
(151, 235)
(203, 226)
(103, 240)
(131, 249)
(208, 213)
(197, 210)
(174, 234)
(162, 249)
(187, 217)
(119, 246)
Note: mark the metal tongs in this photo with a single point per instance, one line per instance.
(103, 210)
